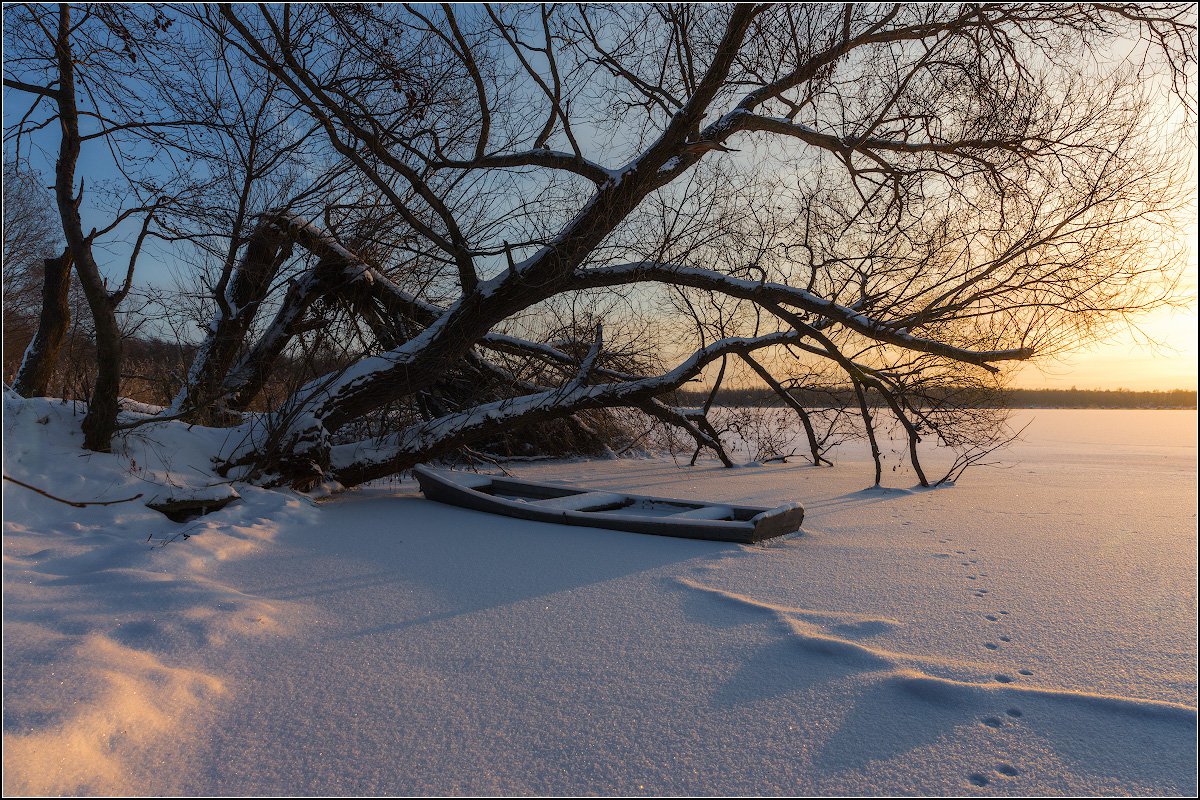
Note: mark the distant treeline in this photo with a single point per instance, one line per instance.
(1010, 398)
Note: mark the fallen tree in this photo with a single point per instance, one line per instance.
(544, 208)
(955, 207)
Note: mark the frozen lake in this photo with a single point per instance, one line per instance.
(1030, 630)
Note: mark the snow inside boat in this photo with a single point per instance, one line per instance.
(636, 513)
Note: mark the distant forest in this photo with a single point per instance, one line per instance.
(1012, 398)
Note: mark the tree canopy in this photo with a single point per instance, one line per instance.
(488, 217)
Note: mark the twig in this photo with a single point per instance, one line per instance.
(150, 420)
(185, 533)
(632, 444)
(77, 504)
(783, 458)
(487, 459)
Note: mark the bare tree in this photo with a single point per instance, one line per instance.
(904, 195)
(958, 191)
(261, 154)
(50, 45)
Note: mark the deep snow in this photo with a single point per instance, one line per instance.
(1028, 631)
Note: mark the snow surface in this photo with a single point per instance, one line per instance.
(1028, 631)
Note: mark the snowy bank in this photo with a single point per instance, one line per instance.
(107, 607)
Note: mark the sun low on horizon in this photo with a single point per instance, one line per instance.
(1159, 354)
(1156, 351)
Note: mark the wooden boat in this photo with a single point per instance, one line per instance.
(568, 505)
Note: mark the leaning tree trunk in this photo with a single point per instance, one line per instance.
(203, 396)
(41, 356)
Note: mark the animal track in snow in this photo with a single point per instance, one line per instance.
(991, 645)
(1008, 770)
(977, 779)
(1014, 712)
(992, 722)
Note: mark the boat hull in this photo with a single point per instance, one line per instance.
(485, 493)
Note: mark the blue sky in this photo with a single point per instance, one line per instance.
(1160, 354)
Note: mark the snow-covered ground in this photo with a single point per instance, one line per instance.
(1028, 631)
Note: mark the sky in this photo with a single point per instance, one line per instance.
(1159, 354)
(1128, 361)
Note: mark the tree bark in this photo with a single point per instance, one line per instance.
(41, 356)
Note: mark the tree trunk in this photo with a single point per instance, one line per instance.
(100, 422)
(41, 356)
(203, 395)
(813, 445)
(101, 418)
(329, 404)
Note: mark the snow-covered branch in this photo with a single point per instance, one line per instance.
(970, 147)
(779, 293)
(542, 158)
(355, 463)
